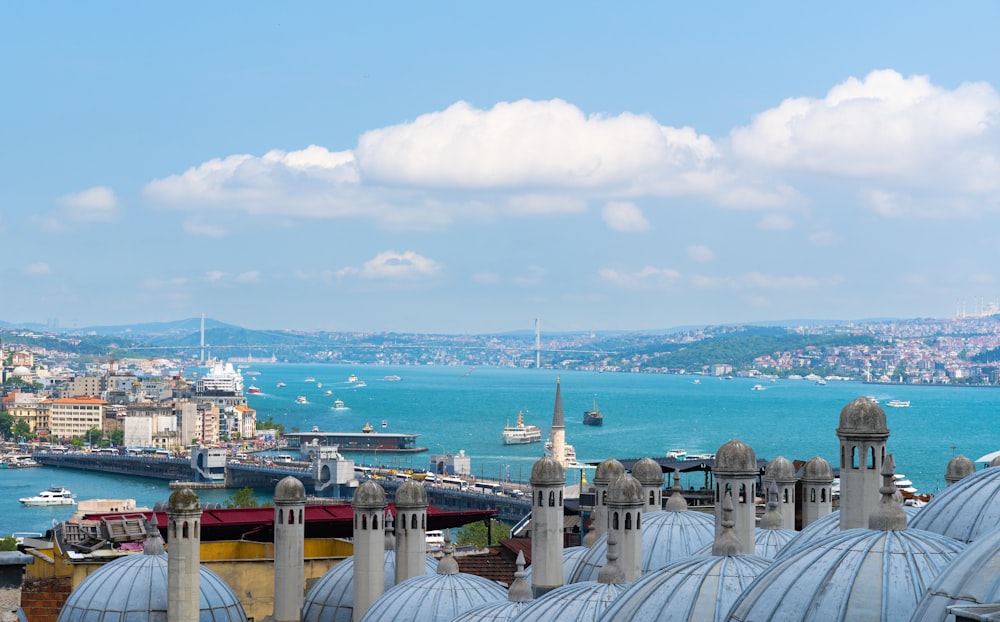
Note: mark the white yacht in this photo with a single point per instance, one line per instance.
(55, 495)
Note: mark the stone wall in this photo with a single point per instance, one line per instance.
(42, 599)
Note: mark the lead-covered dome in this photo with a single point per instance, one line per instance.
(858, 574)
(369, 495)
(697, 588)
(735, 457)
(135, 588)
(331, 599)
(965, 510)
(862, 416)
(625, 490)
(666, 537)
(972, 578)
(433, 597)
(577, 602)
(648, 472)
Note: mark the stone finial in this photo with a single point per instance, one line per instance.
(727, 543)
(153, 544)
(448, 565)
(888, 515)
(520, 590)
(772, 517)
(676, 502)
(611, 572)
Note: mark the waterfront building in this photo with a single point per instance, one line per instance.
(32, 408)
(72, 417)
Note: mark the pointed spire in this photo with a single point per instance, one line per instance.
(727, 543)
(676, 502)
(153, 544)
(611, 572)
(772, 517)
(520, 590)
(390, 532)
(888, 515)
(448, 565)
(557, 412)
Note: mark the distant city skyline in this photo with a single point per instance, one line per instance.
(464, 168)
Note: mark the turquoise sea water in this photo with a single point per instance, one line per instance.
(460, 408)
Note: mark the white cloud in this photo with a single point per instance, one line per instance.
(545, 204)
(700, 253)
(97, 204)
(248, 277)
(37, 269)
(532, 144)
(163, 284)
(885, 126)
(214, 276)
(392, 265)
(648, 277)
(624, 217)
(776, 222)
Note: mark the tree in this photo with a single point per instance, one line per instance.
(8, 543)
(94, 436)
(117, 437)
(476, 533)
(6, 423)
(242, 498)
(21, 429)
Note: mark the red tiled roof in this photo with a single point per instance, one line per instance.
(492, 565)
(514, 545)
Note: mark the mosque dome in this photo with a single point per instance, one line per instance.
(21, 371)
(331, 599)
(576, 602)
(697, 588)
(857, 574)
(625, 490)
(829, 525)
(958, 467)
(817, 469)
(290, 490)
(965, 510)
(768, 543)
(547, 472)
(607, 471)
(411, 495)
(862, 416)
(519, 594)
(735, 457)
(779, 470)
(666, 537)
(135, 588)
(369, 495)
(648, 472)
(571, 559)
(433, 597)
(972, 578)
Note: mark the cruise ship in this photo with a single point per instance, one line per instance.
(521, 434)
(221, 379)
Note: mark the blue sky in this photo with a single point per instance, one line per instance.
(468, 167)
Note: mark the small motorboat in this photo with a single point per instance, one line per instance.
(55, 495)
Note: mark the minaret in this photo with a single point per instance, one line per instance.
(558, 433)
(958, 467)
(606, 472)
(781, 472)
(369, 547)
(817, 490)
(625, 505)
(289, 549)
(736, 473)
(183, 556)
(863, 434)
(888, 514)
(548, 479)
(650, 475)
(411, 531)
